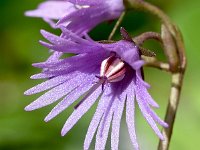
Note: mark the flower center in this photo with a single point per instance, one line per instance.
(113, 69)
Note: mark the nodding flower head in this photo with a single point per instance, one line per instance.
(71, 12)
(108, 73)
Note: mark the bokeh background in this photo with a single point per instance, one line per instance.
(19, 48)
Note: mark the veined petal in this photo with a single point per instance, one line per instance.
(61, 44)
(56, 93)
(145, 105)
(130, 115)
(54, 57)
(69, 99)
(90, 14)
(103, 129)
(155, 116)
(77, 60)
(90, 17)
(149, 118)
(67, 34)
(116, 122)
(144, 94)
(63, 63)
(49, 97)
(54, 39)
(103, 103)
(47, 85)
(140, 79)
(80, 111)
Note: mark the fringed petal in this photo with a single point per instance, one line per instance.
(77, 60)
(130, 115)
(116, 122)
(54, 39)
(103, 129)
(56, 93)
(145, 103)
(67, 34)
(80, 111)
(60, 44)
(69, 99)
(148, 117)
(54, 57)
(142, 91)
(103, 102)
(47, 85)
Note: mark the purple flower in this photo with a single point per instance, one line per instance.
(108, 73)
(80, 16)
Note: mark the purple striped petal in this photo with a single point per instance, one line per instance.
(77, 60)
(103, 129)
(63, 45)
(67, 34)
(116, 122)
(56, 93)
(130, 115)
(142, 91)
(69, 99)
(47, 85)
(149, 118)
(80, 111)
(49, 97)
(145, 106)
(54, 57)
(54, 39)
(103, 103)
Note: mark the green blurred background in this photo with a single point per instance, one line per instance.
(19, 48)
